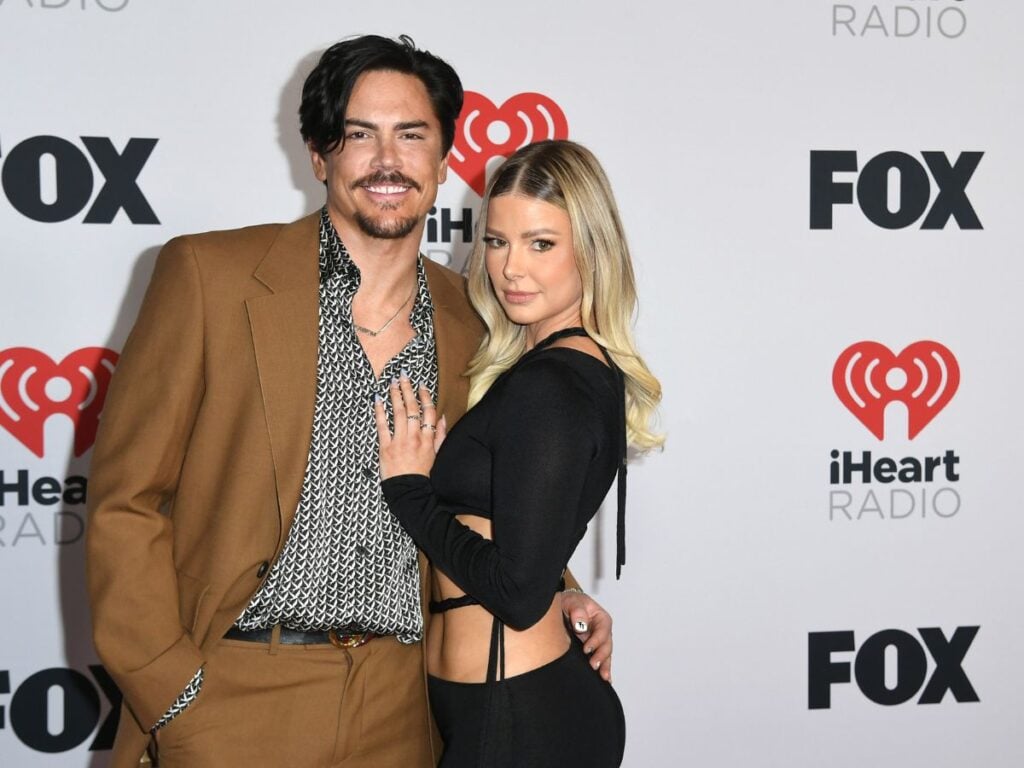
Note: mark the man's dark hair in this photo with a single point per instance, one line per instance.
(326, 91)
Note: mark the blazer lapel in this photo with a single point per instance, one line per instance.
(284, 329)
(457, 331)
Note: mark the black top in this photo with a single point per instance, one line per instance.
(537, 456)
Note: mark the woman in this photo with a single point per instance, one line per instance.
(556, 388)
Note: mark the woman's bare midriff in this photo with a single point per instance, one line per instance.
(458, 640)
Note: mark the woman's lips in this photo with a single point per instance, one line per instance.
(518, 297)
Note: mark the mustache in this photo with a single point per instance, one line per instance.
(394, 177)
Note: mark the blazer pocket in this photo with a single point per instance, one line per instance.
(191, 593)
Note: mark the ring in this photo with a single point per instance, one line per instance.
(431, 427)
(416, 416)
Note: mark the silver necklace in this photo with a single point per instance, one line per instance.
(379, 331)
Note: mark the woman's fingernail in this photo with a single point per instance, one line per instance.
(404, 373)
(596, 665)
(588, 650)
(394, 382)
(580, 626)
(377, 398)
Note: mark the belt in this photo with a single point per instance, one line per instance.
(343, 637)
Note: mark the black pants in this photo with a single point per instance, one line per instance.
(559, 714)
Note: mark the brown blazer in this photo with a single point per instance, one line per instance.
(204, 440)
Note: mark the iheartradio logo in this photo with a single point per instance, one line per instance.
(33, 388)
(868, 376)
(484, 131)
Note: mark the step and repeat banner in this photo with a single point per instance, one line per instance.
(824, 205)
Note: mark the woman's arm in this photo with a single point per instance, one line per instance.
(541, 445)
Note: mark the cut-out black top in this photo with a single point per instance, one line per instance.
(537, 456)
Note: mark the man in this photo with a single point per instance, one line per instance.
(252, 596)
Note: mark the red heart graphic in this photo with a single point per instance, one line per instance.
(80, 388)
(526, 118)
(930, 378)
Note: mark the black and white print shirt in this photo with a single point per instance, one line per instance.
(347, 560)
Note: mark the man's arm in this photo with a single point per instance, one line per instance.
(146, 426)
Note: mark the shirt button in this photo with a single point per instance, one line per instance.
(262, 571)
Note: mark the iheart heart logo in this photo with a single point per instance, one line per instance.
(484, 131)
(868, 376)
(33, 388)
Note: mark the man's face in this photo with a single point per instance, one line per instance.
(383, 177)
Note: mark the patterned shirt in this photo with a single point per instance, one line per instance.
(347, 561)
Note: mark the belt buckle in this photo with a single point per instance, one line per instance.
(353, 640)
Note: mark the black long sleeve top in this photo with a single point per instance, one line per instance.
(537, 456)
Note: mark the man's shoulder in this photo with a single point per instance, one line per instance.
(440, 273)
(246, 239)
(451, 302)
(246, 247)
(447, 288)
(230, 238)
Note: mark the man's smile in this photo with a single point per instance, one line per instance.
(387, 190)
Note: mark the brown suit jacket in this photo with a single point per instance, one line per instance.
(200, 457)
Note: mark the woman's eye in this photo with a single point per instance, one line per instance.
(542, 245)
(494, 242)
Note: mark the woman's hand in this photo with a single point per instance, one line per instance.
(418, 433)
(593, 626)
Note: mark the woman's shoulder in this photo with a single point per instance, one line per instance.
(558, 373)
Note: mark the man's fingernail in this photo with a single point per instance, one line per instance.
(580, 626)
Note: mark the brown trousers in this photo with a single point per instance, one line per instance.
(304, 706)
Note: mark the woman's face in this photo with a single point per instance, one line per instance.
(530, 260)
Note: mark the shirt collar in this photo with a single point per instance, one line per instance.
(334, 258)
(335, 262)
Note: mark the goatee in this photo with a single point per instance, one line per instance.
(385, 228)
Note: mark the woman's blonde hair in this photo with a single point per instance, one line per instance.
(567, 175)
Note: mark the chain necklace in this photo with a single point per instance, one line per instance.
(379, 331)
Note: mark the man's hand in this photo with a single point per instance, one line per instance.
(592, 624)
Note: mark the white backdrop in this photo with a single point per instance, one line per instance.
(705, 116)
